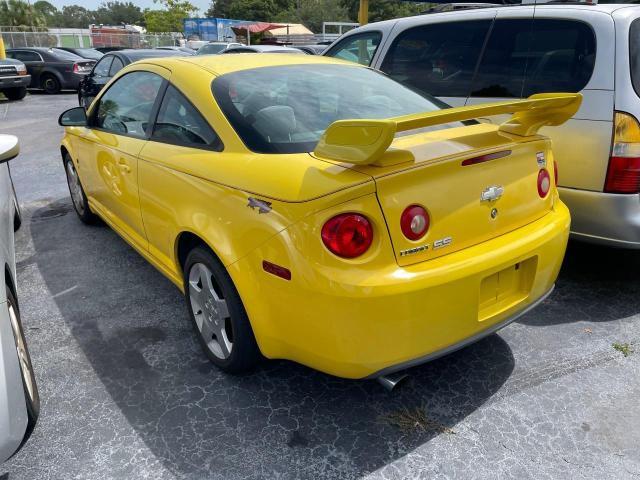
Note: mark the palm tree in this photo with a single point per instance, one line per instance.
(17, 13)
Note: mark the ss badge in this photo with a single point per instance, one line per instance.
(443, 242)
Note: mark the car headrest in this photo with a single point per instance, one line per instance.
(276, 123)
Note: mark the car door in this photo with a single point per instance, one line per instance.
(34, 63)
(437, 58)
(181, 138)
(118, 128)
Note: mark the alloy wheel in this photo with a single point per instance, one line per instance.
(23, 355)
(210, 311)
(74, 187)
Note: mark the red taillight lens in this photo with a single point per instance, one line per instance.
(76, 68)
(544, 182)
(623, 175)
(555, 172)
(347, 235)
(414, 222)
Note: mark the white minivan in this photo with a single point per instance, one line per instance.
(481, 55)
(19, 399)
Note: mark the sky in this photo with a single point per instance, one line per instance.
(203, 5)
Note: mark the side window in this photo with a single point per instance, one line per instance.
(358, 48)
(561, 57)
(504, 62)
(24, 56)
(102, 67)
(125, 108)
(116, 66)
(437, 59)
(179, 123)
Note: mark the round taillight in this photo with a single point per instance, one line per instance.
(347, 235)
(414, 222)
(544, 182)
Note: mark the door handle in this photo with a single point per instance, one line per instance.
(124, 167)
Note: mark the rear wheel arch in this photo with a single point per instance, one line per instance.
(187, 241)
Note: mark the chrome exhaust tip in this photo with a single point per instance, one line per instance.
(389, 382)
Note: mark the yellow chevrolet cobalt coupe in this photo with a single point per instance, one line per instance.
(318, 211)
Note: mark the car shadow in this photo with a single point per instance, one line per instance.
(284, 420)
(596, 284)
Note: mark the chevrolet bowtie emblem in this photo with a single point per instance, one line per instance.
(261, 205)
(491, 193)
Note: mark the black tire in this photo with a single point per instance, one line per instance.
(31, 395)
(50, 84)
(78, 199)
(17, 93)
(245, 354)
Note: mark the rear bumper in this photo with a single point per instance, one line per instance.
(604, 218)
(13, 412)
(15, 82)
(72, 81)
(401, 316)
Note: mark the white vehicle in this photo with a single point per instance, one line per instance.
(468, 57)
(19, 399)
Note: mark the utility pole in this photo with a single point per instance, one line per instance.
(363, 12)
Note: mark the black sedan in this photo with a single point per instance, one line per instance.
(110, 64)
(52, 69)
(89, 53)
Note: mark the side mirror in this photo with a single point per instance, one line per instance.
(74, 117)
(9, 147)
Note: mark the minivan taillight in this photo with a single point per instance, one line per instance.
(623, 174)
(347, 235)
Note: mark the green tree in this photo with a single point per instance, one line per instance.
(384, 9)
(170, 19)
(116, 13)
(75, 16)
(219, 9)
(17, 13)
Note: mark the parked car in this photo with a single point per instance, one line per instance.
(214, 48)
(483, 55)
(19, 399)
(298, 230)
(187, 50)
(110, 64)
(311, 49)
(89, 53)
(14, 79)
(262, 49)
(52, 69)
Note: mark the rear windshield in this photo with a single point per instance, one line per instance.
(634, 54)
(286, 109)
(211, 48)
(89, 53)
(63, 54)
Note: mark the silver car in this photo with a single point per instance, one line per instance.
(483, 55)
(19, 399)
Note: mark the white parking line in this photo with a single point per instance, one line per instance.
(64, 292)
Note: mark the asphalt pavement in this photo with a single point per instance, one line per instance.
(127, 394)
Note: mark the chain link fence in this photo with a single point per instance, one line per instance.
(16, 37)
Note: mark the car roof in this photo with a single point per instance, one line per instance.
(134, 55)
(263, 48)
(222, 64)
(461, 14)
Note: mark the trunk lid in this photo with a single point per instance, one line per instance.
(452, 170)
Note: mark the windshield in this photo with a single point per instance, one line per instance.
(211, 48)
(89, 53)
(286, 109)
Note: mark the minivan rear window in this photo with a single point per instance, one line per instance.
(634, 54)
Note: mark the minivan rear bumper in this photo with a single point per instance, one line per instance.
(604, 218)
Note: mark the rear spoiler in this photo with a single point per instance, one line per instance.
(366, 142)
